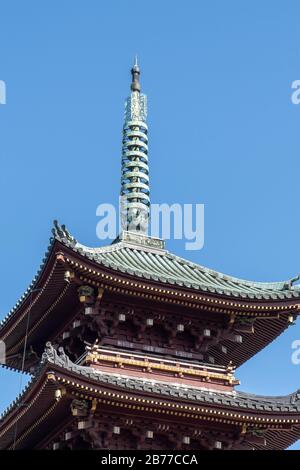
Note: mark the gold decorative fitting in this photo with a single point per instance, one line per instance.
(60, 257)
(51, 377)
(69, 275)
(227, 376)
(244, 428)
(58, 394)
(255, 308)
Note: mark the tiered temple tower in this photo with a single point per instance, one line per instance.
(132, 347)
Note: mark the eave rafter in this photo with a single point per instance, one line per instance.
(91, 274)
(68, 270)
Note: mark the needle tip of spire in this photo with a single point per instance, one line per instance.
(135, 71)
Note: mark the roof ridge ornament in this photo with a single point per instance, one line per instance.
(144, 241)
(290, 282)
(51, 355)
(62, 234)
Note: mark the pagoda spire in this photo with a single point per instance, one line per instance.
(135, 191)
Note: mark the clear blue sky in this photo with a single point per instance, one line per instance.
(223, 132)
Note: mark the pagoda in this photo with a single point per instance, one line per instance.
(132, 347)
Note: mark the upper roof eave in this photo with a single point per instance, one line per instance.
(163, 267)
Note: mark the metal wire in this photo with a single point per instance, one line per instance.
(22, 404)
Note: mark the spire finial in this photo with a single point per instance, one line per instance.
(135, 72)
(135, 191)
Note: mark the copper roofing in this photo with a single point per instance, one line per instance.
(144, 258)
(281, 410)
(151, 261)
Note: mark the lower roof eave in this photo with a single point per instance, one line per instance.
(278, 418)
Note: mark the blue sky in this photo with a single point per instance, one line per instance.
(223, 132)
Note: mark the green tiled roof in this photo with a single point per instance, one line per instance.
(146, 258)
(150, 261)
(237, 399)
(59, 363)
